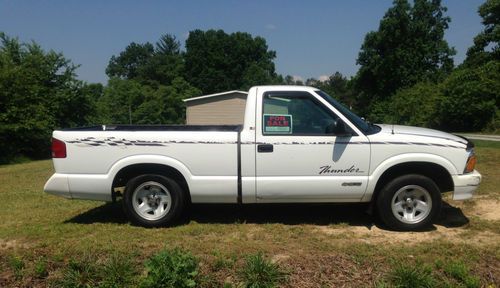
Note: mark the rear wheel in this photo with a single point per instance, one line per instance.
(152, 200)
(409, 202)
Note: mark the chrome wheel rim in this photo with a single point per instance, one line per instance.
(151, 200)
(411, 204)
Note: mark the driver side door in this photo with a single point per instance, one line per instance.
(299, 159)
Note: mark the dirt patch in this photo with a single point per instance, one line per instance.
(487, 209)
(334, 270)
(375, 235)
(6, 245)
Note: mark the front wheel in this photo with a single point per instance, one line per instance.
(409, 202)
(153, 200)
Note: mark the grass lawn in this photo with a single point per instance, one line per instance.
(51, 241)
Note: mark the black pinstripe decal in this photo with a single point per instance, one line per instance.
(112, 141)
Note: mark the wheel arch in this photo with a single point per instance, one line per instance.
(436, 172)
(129, 168)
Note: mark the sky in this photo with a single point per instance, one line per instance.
(312, 39)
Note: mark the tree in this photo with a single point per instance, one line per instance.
(120, 99)
(414, 106)
(168, 45)
(471, 98)
(130, 102)
(149, 64)
(338, 86)
(486, 45)
(128, 64)
(38, 93)
(408, 47)
(216, 61)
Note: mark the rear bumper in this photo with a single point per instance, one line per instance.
(58, 185)
(466, 185)
(79, 186)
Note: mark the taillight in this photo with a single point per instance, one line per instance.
(471, 163)
(58, 148)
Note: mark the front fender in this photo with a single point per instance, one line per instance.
(401, 159)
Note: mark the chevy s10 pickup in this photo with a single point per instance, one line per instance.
(297, 144)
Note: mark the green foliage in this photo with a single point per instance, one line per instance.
(337, 86)
(467, 100)
(118, 99)
(17, 265)
(471, 98)
(171, 268)
(128, 64)
(148, 64)
(146, 85)
(408, 47)
(460, 272)
(80, 273)
(38, 92)
(118, 271)
(445, 274)
(216, 61)
(413, 276)
(486, 44)
(415, 106)
(259, 272)
(40, 269)
(129, 102)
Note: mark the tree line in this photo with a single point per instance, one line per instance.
(406, 76)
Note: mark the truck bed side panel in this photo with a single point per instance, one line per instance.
(209, 158)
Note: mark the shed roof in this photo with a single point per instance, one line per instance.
(215, 95)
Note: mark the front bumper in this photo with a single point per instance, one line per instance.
(466, 185)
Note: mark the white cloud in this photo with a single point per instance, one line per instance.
(271, 27)
(297, 78)
(323, 78)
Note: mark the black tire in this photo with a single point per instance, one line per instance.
(400, 203)
(162, 192)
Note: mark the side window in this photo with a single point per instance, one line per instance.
(295, 114)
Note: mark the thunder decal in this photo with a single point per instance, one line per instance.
(327, 169)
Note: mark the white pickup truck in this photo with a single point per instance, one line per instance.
(297, 144)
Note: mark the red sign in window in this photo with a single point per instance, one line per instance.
(277, 124)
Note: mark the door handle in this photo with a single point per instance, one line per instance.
(265, 148)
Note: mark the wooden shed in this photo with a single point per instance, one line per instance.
(226, 108)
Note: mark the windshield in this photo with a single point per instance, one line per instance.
(355, 119)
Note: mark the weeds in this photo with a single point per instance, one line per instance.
(447, 274)
(40, 269)
(460, 272)
(17, 265)
(171, 268)
(119, 271)
(83, 273)
(222, 262)
(414, 276)
(259, 272)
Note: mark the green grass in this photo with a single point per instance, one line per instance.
(260, 272)
(486, 144)
(51, 241)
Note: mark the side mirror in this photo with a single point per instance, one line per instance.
(338, 128)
